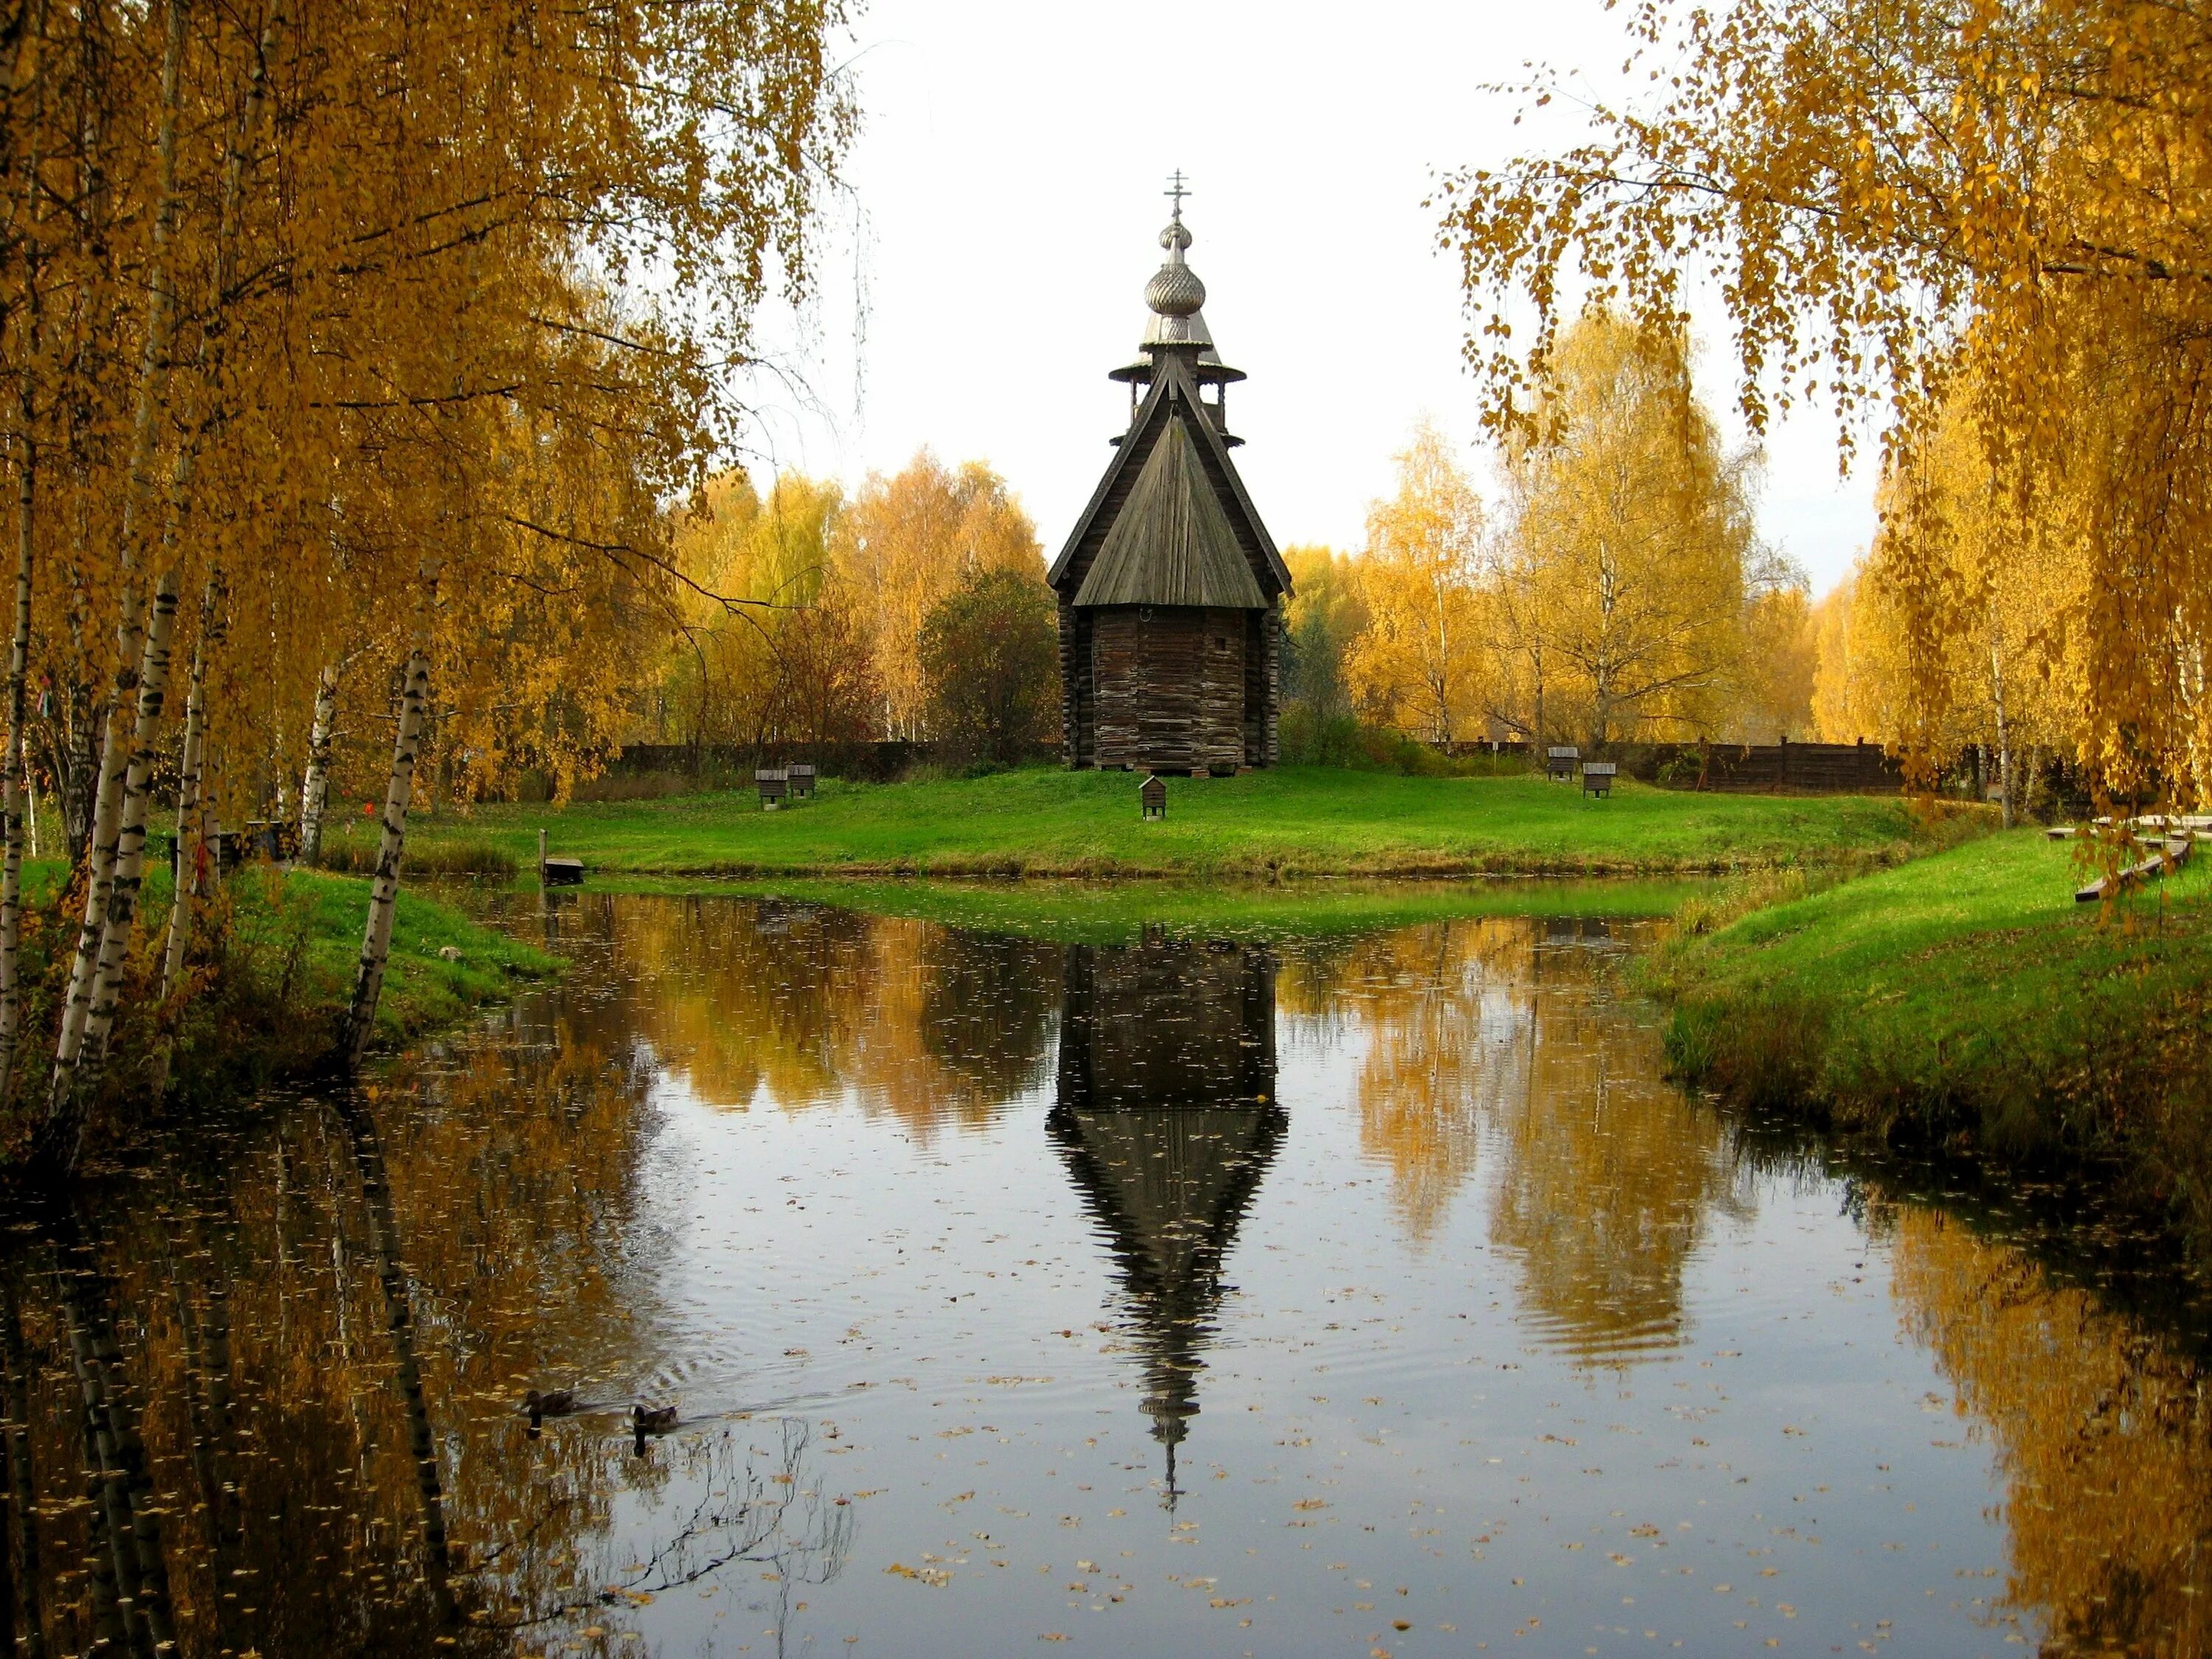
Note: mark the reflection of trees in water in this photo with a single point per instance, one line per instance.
(2103, 1435)
(1440, 1010)
(758, 1506)
(806, 1002)
(1502, 1029)
(1167, 1119)
(208, 1380)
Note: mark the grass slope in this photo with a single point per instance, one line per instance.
(1292, 821)
(1966, 998)
(422, 989)
(296, 939)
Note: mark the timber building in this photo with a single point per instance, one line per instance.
(1171, 589)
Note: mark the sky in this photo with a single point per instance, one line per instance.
(985, 265)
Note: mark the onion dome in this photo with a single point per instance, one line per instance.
(1175, 296)
(1174, 289)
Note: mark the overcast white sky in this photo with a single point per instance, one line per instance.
(989, 263)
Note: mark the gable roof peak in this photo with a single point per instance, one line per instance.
(1172, 543)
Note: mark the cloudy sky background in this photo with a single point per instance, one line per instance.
(986, 268)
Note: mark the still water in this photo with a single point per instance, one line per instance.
(1367, 1297)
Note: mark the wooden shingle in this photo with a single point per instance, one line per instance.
(1171, 543)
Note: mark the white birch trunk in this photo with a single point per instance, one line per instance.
(192, 819)
(314, 796)
(14, 768)
(131, 834)
(192, 822)
(14, 782)
(384, 891)
(59, 1135)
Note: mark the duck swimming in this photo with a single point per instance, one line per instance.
(556, 1402)
(659, 1420)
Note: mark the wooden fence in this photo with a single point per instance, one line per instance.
(1782, 767)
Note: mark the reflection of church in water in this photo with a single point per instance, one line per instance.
(1167, 1117)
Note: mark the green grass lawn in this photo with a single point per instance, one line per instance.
(1117, 913)
(1292, 821)
(423, 990)
(310, 923)
(1966, 996)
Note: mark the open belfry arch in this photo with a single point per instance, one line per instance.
(1171, 589)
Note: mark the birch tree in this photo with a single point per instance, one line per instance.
(1419, 662)
(259, 315)
(1633, 538)
(1914, 211)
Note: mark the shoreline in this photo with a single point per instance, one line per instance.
(1965, 1003)
(263, 1007)
(1290, 823)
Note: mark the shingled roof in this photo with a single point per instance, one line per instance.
(1171, 543)
(1173, 407)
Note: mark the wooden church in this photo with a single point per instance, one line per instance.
(1171, 589)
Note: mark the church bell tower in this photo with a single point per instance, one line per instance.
(1171, 589)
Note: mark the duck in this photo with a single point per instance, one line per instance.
(659, 1420)
(556, 1402)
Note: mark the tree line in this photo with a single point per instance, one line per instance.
(915, 611)
(350, 356)
(1979, 225)
(1618, 591)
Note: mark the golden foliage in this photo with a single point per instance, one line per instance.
(788, 663)
(353, 304)
(1624, 596)
(1859, 670)
(912, 538)
(1994, 213)
(1631, 559)
(1417, 662)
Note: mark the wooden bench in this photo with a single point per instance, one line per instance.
(800, 774)
(1152, 797)
(773, 783)
(1560, 763)
(2171, 855)
(1597, 777)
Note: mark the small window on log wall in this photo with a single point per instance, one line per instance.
(1219, 643)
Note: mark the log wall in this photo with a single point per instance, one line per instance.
(1078, 689)
(1168, 686)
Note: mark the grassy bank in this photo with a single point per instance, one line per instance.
(1292, 821)
(272, 974)
(1965, 999)
(1102, 913)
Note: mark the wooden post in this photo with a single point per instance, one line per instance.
(541, 858)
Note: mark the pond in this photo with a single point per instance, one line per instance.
(1372, 1295)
